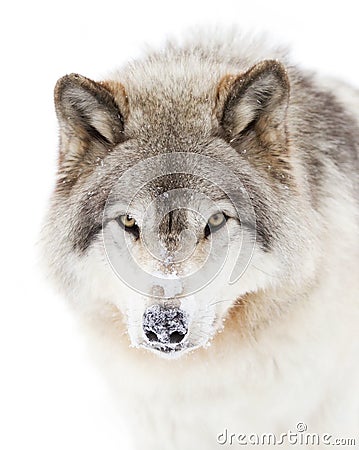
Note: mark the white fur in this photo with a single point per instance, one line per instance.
(285, 376)
(284, 373)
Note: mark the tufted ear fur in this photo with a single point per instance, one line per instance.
(256, 100)
(88, 109)
(91, 122)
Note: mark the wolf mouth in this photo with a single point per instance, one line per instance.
(169, 349)
(166, 348)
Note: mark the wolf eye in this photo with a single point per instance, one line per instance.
(129, 224)
(127, 221)
(215, 222)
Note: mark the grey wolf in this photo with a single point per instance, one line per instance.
(204, 227)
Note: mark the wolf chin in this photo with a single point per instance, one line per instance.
(204, 228)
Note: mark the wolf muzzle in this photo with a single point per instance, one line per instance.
(165, 327)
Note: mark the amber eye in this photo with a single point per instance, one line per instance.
(215, 222)
(129, 224)
(127, 221)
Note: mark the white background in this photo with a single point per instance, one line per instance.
(50, 395)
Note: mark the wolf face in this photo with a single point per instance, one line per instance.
(204, 227)
(179, 194)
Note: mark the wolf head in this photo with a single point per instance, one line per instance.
(176, 200)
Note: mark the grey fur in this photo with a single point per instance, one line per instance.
(286, 137)
(172, 97)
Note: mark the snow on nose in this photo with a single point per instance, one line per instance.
(165, 325)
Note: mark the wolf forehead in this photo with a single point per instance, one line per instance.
(172, 91)
(170, 117)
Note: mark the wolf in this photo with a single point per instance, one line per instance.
(204, 229)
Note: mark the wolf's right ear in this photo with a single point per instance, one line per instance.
(87, 111)
(256, 99)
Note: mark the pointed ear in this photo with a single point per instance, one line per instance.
(87, 110)
(258, 98)
(91, 117)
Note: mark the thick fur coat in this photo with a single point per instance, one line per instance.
(277, 346)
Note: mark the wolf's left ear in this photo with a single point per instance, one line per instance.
(254, 98)
(87, 110)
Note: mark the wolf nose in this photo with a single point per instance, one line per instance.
(165, 325)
